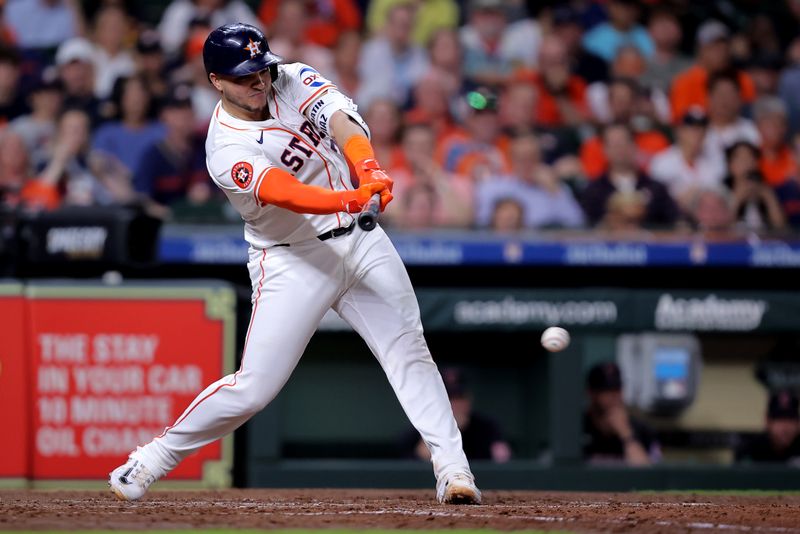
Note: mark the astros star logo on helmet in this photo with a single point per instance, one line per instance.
(254, 48)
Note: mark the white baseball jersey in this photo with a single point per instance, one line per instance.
(239, 153)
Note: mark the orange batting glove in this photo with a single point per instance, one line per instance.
(353, 201)
(369, 172)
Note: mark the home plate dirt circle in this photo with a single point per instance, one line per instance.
(382, 509)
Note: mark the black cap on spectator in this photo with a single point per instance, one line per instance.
(604, 377)
(454, 383)
(482, 100)
(563, 15)
(9, 54)
(178, 96)
(47, 81)
(149, 42)
(767, 61)
(783, 405)
(695, 116)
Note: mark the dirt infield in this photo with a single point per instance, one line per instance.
(361, 509)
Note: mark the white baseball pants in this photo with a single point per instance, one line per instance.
(362, 277)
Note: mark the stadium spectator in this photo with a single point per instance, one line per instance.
(686, 166)
(288, 38)
(482, 40)
(651, 103)
(561, 94)
(780, 442)
(429, 196)
(173, 170)
(765, 70)
(521, 41)
(69, 170)
(711, 213)
(14, 169)
(327, 20)
(754, 202)
(383, 119)
(432, 104)
(517, 115)
(12, 101)
(546, 202)
(789, 191)
(390, 62)
(567, 26)
(38, 128)
(112, 58)
(124, 140)
(667, 60)
(624, 176)
(43, 24)
(344, 73)
(789, 85)
(75, 62)
(508, 215)
(624, 102)
(777, 159)
(151, 63)
(481, 435)
(621, 28)
(193, 72)
(177, 19)
(612, 435)
(477, 151)
(692, 87)
(446, 57)
(432, 15)
(725, 123)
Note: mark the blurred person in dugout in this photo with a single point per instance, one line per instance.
(611, 434)
(481, 435)
(780, 441)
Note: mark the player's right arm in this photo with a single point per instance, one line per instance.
(240, 172)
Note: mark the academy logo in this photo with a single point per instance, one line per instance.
(242, 174)
(254, 48)
(311, 77)
(709, 313)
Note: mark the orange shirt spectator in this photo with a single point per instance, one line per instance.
(778, 167)
(595, 163)
(691, 89)
(326, 18)
(548, 111)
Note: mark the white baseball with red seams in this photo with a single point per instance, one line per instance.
(555, 339)
(359, 275)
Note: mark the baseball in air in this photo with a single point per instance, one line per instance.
(555, 339)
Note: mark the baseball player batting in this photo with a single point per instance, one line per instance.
(280, 145)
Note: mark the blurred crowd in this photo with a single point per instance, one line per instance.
(621, 116)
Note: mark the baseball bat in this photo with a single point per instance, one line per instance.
(368, 218)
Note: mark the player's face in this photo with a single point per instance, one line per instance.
(245, 95)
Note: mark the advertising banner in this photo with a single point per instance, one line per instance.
(111, 367)
(14, 414)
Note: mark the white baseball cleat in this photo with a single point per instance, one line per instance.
(458, 488)
(130, 481)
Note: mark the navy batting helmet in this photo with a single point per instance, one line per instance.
(238, 50)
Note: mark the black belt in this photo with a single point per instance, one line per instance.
(336, 232)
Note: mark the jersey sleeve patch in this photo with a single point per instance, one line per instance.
(242, 174)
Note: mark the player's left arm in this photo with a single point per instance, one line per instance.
(334, 114)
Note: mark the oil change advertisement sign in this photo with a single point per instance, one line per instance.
(112, 368)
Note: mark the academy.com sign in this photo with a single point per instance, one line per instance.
(511, 311)
(709, 313)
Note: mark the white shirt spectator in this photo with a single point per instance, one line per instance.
(387, 74)
(718, 139)
(541, 208)
(520, 43)
(174, 24)
(107, 69)
(680, 176)
(40, 24)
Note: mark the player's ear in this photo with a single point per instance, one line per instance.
(215, 81)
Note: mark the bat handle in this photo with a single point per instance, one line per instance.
(368, 218)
